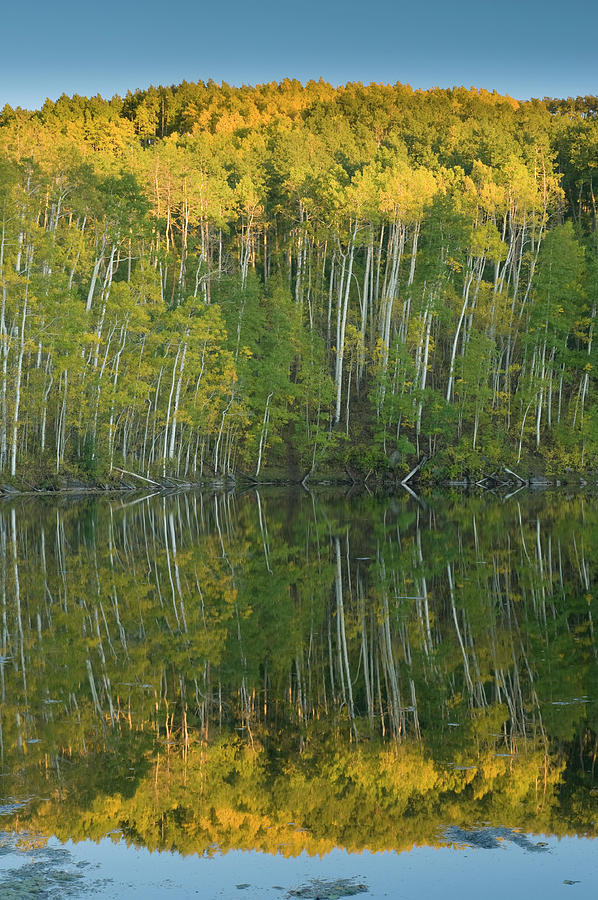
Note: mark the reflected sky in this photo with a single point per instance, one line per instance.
(112, 871)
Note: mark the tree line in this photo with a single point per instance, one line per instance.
(203, 280)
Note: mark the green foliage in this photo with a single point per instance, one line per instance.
(391, 273)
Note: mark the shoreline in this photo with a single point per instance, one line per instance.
(231, 482)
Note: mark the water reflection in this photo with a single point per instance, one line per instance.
(294, 671)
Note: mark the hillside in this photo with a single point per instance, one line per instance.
(200, 280)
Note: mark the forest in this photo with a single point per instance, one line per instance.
(291, 281)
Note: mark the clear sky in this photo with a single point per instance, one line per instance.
(521, 47)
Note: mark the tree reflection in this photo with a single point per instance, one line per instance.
(201, 670)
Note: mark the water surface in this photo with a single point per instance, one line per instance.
(279, 693)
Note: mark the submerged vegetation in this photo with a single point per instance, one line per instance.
(202, 280)
(290, 673)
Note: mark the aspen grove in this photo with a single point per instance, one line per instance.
(202, 280)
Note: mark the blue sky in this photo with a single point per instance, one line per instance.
(533, 48)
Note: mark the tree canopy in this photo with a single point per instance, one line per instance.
(199, 280)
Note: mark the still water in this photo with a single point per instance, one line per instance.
(293, 694)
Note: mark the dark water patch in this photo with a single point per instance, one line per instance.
(491, 838)
(322, 889)
(41, 871)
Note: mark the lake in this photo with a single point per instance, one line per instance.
(287, 694)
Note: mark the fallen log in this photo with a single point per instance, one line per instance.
(413, 471)
(515, 475)
(135, 475)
